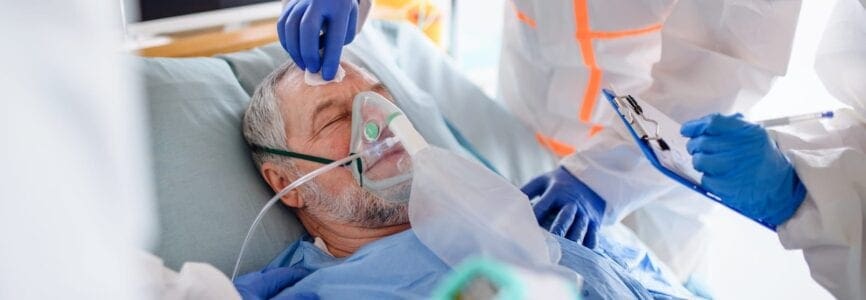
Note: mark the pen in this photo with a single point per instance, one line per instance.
(795, 119)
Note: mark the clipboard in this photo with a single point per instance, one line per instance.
(646, 132)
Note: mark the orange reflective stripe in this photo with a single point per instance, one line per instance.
(526, 19)
(624, 33)
(523, 17)
(595, 129)
(558, 148)
(582, 32)
(585, 36)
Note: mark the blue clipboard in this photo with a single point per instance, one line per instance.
(647, 150)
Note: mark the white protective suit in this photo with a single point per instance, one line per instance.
(76, 197)
(687, 58)
(194, 281)
(830, 159)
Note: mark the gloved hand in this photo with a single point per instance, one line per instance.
(300, 24)
(743, 166)
(269, 283)
(566, 206)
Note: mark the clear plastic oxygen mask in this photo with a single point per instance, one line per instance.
(381, 143)
(386, 172)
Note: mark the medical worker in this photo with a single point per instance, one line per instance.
(686, 58)
(74, 193)
(77, 200)
(814, 182)
(715, 56)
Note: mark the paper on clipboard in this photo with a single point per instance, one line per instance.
(676, 159)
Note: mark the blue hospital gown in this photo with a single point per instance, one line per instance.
(401, 267)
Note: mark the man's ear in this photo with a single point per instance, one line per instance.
(278, 179)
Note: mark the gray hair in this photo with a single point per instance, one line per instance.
(263, 123)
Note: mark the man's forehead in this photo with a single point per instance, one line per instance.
(293, 88)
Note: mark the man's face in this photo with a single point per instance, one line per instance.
(318, 122)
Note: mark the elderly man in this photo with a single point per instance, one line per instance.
(359, 245)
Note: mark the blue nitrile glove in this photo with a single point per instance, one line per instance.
(302, 22)
(566, 206)
(267, 284)
(743, 166)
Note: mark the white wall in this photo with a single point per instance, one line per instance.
(800, 91)
(479, 36)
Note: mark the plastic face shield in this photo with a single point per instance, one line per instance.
(384, 169)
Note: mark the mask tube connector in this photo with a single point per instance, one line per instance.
(403, 129)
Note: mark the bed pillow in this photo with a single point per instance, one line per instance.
(208, 189)
(252, 66)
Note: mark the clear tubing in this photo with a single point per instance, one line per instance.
(377, 150)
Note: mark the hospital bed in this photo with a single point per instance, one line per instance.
(207, 188)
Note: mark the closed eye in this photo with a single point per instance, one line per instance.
(333, 121)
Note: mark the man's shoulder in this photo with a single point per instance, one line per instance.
(286, 258)
(398, 265)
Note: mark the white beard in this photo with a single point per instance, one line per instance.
(358, 206)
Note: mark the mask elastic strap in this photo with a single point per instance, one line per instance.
(285, 153)
(360, 168)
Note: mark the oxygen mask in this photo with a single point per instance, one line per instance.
(384, 171)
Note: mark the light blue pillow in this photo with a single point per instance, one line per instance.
(208, 189)
(252, 66)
